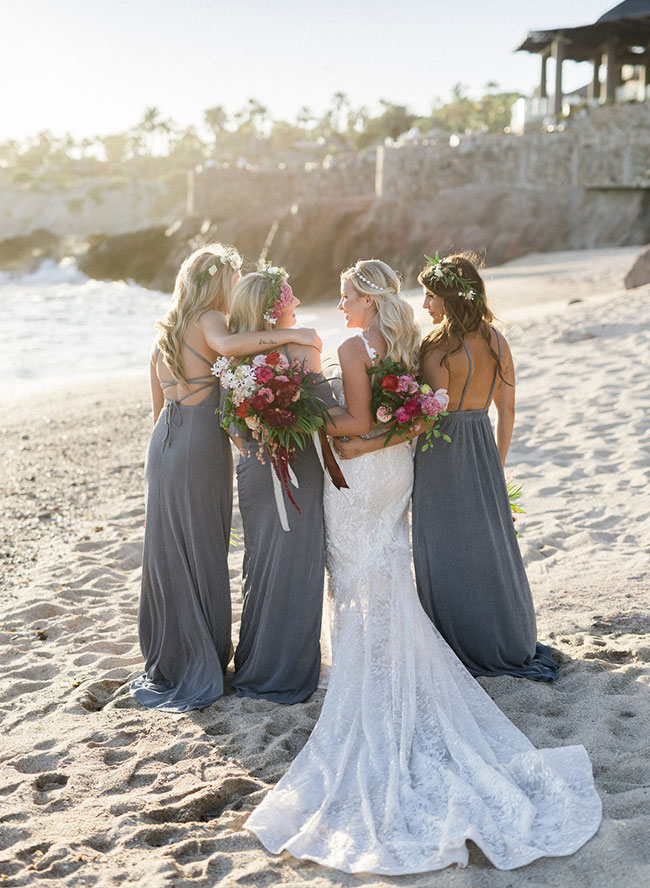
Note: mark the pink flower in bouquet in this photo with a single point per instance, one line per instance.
(430, 405)
(384, 414)
(413, 388)
(442, 397)
(401, 415)
(412, 407)
(282, 378)
(259, 360)
(263, 374)
(404, 383)
(266, 393)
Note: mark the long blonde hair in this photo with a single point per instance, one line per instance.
(196, 290)
(250, 296)
(395, 317)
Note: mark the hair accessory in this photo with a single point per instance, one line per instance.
(231, 259)
(451, 276)
(366, 281)
(280, 293)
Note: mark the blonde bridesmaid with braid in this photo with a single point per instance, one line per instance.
(185, 614)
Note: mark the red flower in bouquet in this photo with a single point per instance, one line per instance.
(390, 382)
(244, 409)
(278, 418)
(273, 359)
(412, 407)
(263, 374)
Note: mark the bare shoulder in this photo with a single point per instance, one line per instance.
(433, 357)
(498, 339)
(352, 349)
(302, 352)
(210, 319)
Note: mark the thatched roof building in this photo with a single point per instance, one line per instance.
(619, 37)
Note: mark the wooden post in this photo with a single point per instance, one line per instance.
(558, 55)
(542, 82)
(594, 86)
(612, 72)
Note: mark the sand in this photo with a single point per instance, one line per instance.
(97, 791)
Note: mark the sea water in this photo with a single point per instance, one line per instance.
(59, 326)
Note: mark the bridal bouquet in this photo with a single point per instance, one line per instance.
(404, 404)
(277, 400)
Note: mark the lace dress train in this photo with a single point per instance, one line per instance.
(410, 758)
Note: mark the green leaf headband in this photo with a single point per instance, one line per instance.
(451, 277)
(233, 260)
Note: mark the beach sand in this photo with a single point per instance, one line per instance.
(97, 791)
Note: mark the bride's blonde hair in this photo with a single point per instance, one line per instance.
(395, 318)
(204, 281)
(250, 296)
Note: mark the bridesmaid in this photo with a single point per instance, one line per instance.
(470, 576)
(278, 655)
(184, 614)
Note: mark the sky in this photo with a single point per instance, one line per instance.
(91, 67)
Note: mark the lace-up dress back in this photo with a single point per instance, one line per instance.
(410, 758)
(470, 575)
(185, 612)
(278, 655)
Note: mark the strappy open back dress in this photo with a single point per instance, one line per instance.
(470, 575)
(185, 612)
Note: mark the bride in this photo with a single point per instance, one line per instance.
(410, 758)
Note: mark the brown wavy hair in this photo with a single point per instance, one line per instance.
(462, 315)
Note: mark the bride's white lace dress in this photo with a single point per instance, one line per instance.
(410, 757)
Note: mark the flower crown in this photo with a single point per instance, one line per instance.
(280, 293)
(231, 259)
(451, 276)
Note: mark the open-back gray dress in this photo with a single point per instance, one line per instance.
(278, 654)
(470, 575)
(185, 612)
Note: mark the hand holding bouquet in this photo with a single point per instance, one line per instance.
(404, 405)
(278, 401)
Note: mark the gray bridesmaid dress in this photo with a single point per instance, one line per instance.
(278, 654)
(470, 575)
(185, 612)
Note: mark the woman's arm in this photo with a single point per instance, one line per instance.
(358, 446)
(504, 401)
(157, 397)
(356, 419)
(234, 345)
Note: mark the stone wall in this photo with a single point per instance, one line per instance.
(221, 192)
(607, 147)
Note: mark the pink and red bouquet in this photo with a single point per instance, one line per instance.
(404, 405)
(277, 400)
